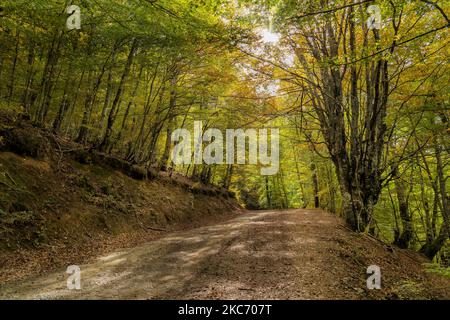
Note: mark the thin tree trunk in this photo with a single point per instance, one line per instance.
(30, 76)
(405, 217)
(113, 112)
(13, 69)
(432, 249)
(109, 88)
(47, 78)
(171, 121)
(315, 182)
(268, 194)
(131, 103)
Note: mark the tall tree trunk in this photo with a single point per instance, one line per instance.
(109, 88)
(268, 194)
(406, 234)
(315, 182)
(1, 76)
(90, 99)
(13, 69)
(131, 103)
(30, 76)
(432, 249)
(65, 102)
(73, 104)
(113, 112)
(332, 190)
(171, 120)
(228, 176)
(286, 204)
(137, 145)
(356, 147)
(47, 78)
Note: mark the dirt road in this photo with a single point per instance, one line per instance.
(297, 254)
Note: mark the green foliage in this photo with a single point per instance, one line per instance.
(438, 269)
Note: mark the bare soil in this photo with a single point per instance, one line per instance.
(56, 213)
(296, 254)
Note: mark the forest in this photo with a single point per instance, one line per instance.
(358, 90)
